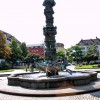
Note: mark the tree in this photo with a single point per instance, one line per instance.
(5, 50)
(24, 50)
(31, 57)
(60, 54)
(74, 53)
(16, 51)
(91, 54)
(69, 54)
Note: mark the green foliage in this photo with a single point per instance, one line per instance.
(99, 65)
(31, 57)
(91, 63)
(93, 50)
(84, 63)
(4, 66)
(91, 54)
(74, 53)
(5, 50)
(16, 51)
(24, 50)
(60, 54)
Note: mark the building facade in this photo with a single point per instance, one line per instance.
(36, 49)
(40, 48)
(87, 43)
(60, 47)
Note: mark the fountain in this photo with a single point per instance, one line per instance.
(52, 77)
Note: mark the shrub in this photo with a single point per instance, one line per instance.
(99, 65)
(80, 65)
(84, 63)
(4, 66)
(91, 63)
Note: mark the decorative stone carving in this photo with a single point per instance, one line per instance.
(49, 32)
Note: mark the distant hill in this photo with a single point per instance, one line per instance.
(9, 37)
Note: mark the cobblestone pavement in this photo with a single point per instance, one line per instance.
(90, 96)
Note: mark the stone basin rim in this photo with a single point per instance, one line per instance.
(55, 82)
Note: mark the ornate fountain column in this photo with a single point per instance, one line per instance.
(49, 31)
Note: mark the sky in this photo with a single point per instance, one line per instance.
(75, 20)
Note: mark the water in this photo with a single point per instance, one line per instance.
(43, 75)
(34, 76)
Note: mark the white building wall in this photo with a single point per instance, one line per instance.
(86, 48)
(99, 48)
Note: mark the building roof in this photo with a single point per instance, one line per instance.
(59, 45)
(35, 45)
(90, 42)
(9, 36)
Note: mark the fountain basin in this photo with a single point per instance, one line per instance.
(38, 80)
